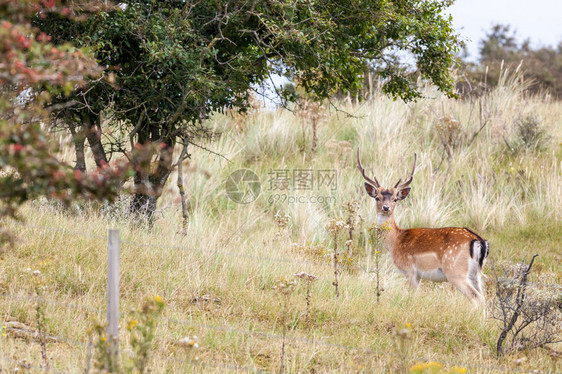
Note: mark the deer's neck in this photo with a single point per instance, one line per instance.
(381, 218)
(393, 234)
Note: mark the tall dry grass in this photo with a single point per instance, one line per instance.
(236, 254)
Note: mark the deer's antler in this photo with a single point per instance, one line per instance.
(409, 180)
(374, 182)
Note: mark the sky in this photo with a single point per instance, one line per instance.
(539, 20)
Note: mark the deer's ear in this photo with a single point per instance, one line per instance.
(403, 193)
(371, 190)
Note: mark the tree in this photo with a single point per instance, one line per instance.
(32, 70)
(499, 44)
(176, 62)
(501, 51)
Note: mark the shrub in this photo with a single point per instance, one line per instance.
(530, 134)
(530, 312)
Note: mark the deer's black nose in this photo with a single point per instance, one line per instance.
(385, 208)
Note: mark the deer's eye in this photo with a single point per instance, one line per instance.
(377, 198)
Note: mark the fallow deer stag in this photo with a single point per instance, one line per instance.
(451, 254)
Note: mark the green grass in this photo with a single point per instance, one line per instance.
(238, 253)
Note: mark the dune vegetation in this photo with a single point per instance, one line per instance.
(232, 302)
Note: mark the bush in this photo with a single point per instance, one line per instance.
(530, 134)
(530, 312)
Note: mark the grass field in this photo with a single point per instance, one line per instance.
(492, 164)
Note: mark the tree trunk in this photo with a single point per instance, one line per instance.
(149, 185)
(314, 136)
(93, 133)
(79, 138)
(143, 206)
(183, 156)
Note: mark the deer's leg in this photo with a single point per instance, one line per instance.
(476, 282)
(478, 286)
(463, 285)
(412, 278)
(474, 275)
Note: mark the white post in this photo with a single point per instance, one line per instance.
(113, 296)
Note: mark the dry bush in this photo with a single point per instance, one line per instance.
(530, 312)
(530, 133)
(315, 251)
(313, 113)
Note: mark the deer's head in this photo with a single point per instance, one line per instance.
(386, 197)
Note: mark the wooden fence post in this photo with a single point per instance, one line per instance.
(113, 298)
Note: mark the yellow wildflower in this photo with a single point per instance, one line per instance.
(131, 325)
(456, 369)
(417, 367)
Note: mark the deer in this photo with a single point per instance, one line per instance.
(453, 254)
